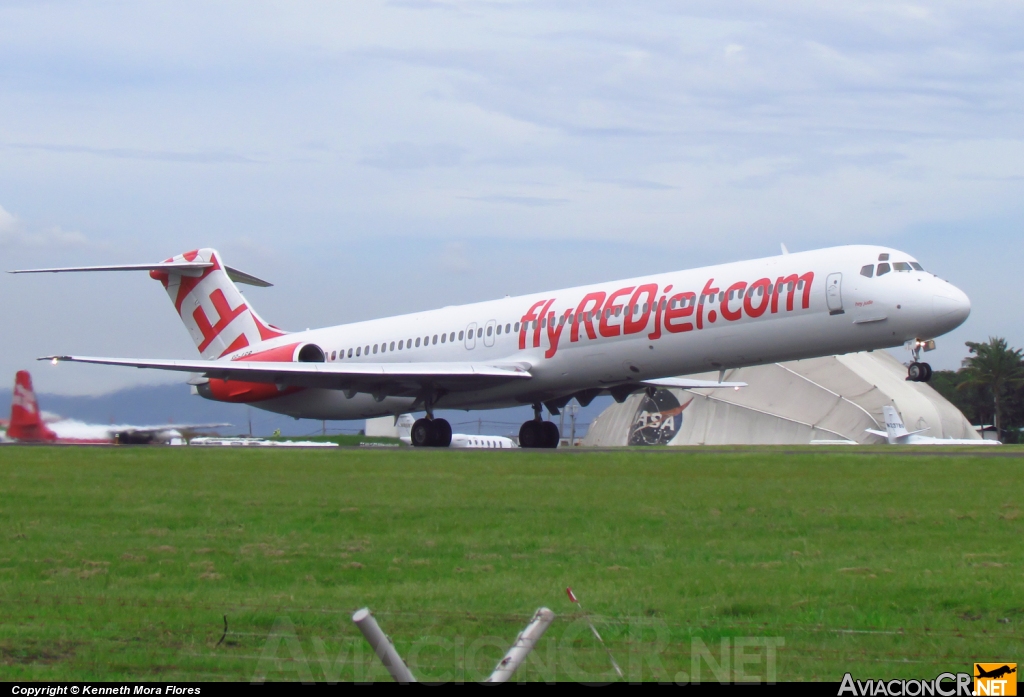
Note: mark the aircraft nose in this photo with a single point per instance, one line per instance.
(951, 306)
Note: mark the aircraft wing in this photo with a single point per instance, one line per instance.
(394, 379)
(873, 432)
(169, 427)
(690, 384)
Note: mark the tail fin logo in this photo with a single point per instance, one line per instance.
(224, 311)
(26, 422)
(25, 399)
(213, 310)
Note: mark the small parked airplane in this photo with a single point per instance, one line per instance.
(548, 348)
(896, 433)
(27, 425)
(405, 423)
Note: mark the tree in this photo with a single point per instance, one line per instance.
(996, 369)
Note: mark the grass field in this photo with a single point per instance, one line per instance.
(120, 563)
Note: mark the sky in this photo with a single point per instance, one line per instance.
(376, 158)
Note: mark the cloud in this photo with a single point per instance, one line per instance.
(454, 259)
(207, 157)
(531, 201)
(14, 233)
(412, 156)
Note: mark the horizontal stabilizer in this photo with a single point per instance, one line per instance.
(690, 384)
(184, 268)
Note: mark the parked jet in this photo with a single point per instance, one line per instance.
(405, 423)
(27, 425)
(896, 433)
(547, 348)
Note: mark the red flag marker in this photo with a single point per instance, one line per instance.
(572, 598)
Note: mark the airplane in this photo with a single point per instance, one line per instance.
(27, 425)
(995, 672)
(459, 440)
(547, 348)
(896, 433)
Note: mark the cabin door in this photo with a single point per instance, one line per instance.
(834, 293)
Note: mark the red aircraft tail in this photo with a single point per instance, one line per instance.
(26, 422)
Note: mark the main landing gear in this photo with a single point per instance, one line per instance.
(431, 433)
(538, 433)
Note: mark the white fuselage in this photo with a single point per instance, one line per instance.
(670, 324)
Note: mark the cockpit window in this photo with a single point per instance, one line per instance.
(883, 269)
(901, 266)
(883, 257)
(917, 266)
(867, 271)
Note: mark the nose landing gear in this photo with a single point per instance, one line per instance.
(918, 371)
(538, 433)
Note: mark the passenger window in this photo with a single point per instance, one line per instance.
(417, 342)
(489, 328)
(543, 324)
(517, 326)
(435, 338)
(901, 266)
(444, 337)
(498, 330)
(350, 353)
(461, 335)
(359, 351)
(401, 344)
(391, 347)
(480, 331)
(375, 348)
(333, 354)
(867, 271)
(645, 308)
(883, 269)
(917, 266)
(507, 328)
(366, 350)
(451, 337)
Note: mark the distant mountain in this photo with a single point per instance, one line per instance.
(160, 404)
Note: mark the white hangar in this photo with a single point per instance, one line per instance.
(830, 398)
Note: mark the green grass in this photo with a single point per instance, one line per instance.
(345, 440)
(119, 563)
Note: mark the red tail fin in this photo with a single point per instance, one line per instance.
(26, 423)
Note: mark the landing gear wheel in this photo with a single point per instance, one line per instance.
(915, 372)
(531, 435)
(927, 372)
(422, 434)
(441, 432)
(550, 434)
